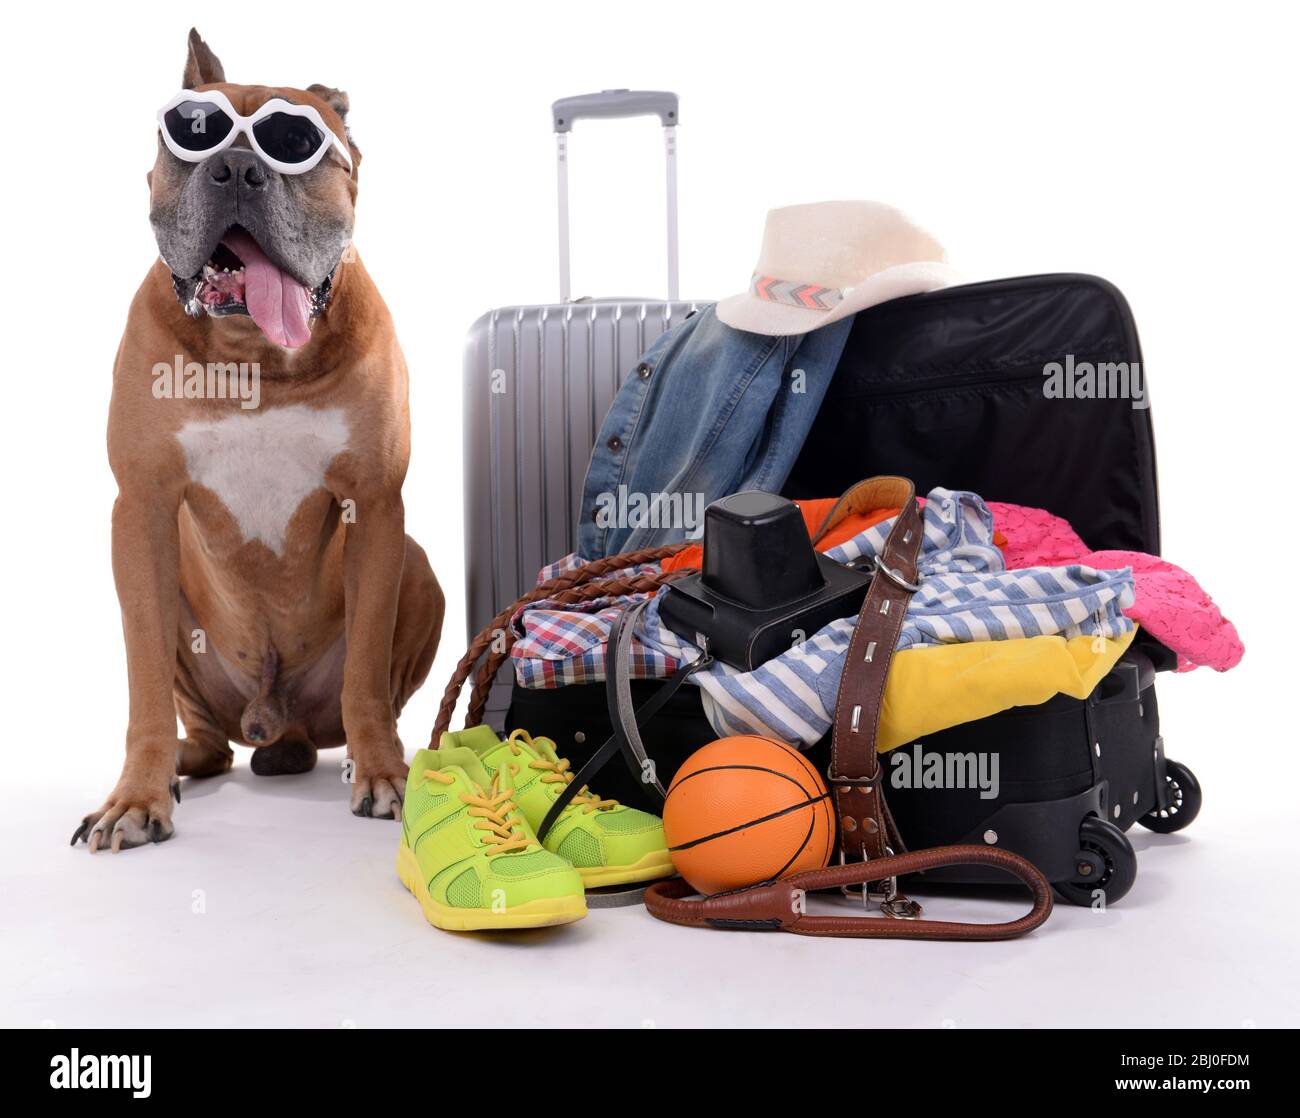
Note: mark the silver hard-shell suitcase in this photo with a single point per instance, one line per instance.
(538, 382)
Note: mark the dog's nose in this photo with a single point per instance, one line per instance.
(238, 166)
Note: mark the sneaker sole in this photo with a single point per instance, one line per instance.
(656, 864)
(541, 913)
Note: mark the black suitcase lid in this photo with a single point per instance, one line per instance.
(948, 388)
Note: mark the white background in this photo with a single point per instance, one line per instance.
(1153, 146)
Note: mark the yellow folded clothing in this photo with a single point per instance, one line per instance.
(939, 686)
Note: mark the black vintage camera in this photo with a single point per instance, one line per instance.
(763, 587)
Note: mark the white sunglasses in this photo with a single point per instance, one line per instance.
(288, 138)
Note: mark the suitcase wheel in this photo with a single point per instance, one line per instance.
(1105, 862)
(1184, 801)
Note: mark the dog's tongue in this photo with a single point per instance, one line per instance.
(276, 301)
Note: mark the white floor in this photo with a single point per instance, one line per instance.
(273, 906)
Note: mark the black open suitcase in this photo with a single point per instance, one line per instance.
(947, 388)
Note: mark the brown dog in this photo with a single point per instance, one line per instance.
(259, 436)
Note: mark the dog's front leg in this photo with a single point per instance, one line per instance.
(145, 567)
(373, 552)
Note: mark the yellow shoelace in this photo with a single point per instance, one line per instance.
(557, 772)
(495, 812)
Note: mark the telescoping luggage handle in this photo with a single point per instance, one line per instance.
(615, 104)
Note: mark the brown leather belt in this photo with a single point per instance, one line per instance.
(867, 830)
(872, 854)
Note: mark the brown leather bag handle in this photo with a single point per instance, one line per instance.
(780, 905)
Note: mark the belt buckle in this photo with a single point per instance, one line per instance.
(895, 577)
(856, 890)
(890, 901)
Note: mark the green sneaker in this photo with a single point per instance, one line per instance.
(607, 842)
(469, 855)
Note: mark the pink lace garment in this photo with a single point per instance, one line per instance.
(1170, 604)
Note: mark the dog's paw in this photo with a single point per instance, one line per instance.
(129, 820)
(377, 793)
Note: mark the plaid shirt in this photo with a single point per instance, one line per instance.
(560, 645)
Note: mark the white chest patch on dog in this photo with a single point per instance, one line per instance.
(263, 465)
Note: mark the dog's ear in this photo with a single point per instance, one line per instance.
(202, 67)
(336, 99)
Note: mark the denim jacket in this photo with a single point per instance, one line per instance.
(708, 411)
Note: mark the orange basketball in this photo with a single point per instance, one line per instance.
(744, 810)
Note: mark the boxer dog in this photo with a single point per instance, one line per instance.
(259, 436)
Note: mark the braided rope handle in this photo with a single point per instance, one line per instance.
(582, 584)
(613, 587)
